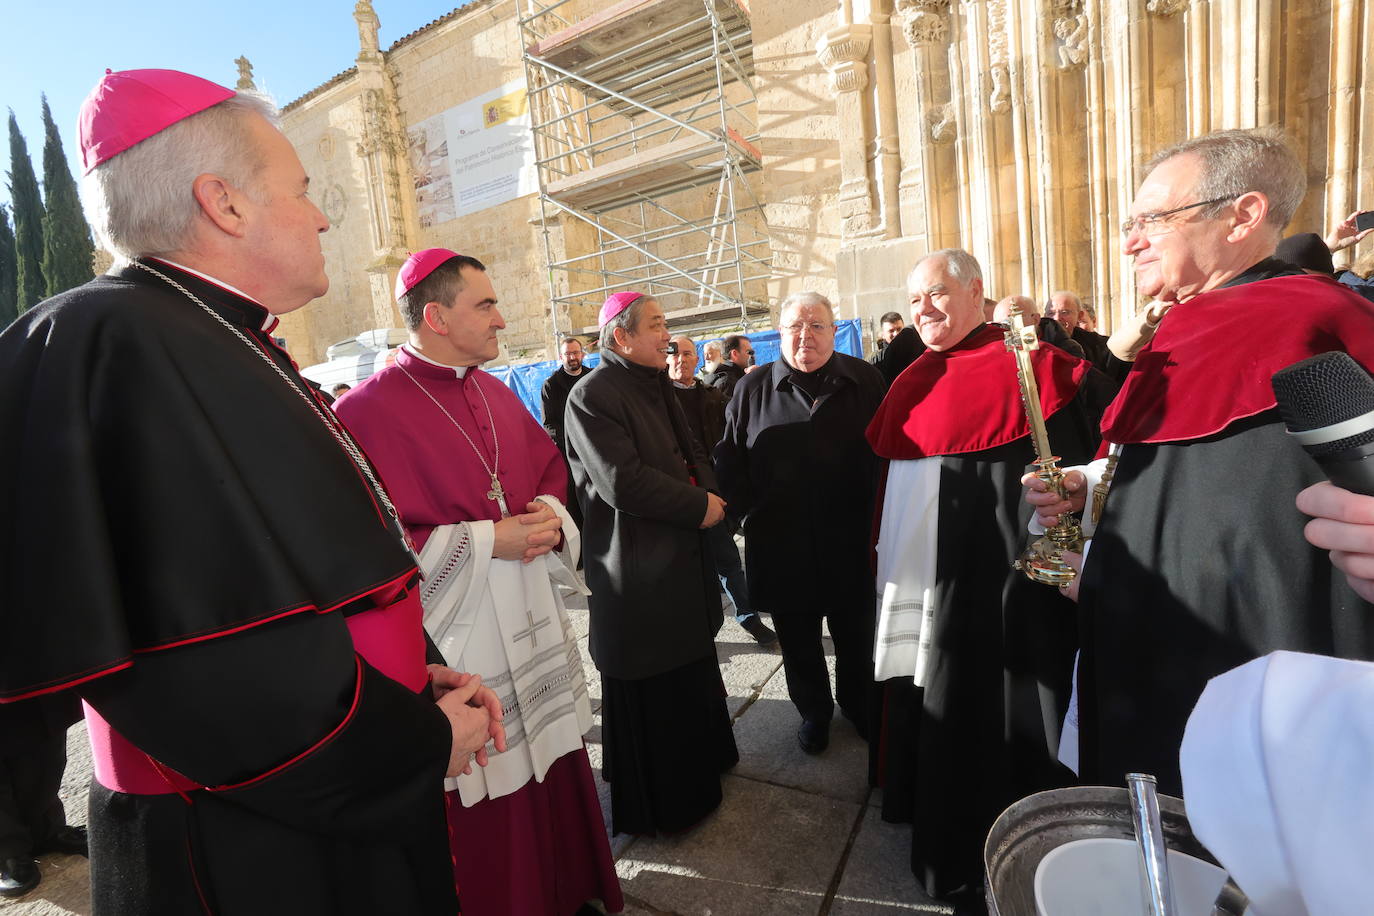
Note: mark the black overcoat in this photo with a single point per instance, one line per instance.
(802, 479)
(654, 605)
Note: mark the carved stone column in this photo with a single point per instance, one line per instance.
(925, 25)
(381, 148)
(844, 52)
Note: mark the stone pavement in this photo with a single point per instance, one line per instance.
(795, 836)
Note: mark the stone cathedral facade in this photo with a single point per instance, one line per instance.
(887, 128)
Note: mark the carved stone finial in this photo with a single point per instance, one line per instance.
(1166, 7)
(245, 74)
(368, 24)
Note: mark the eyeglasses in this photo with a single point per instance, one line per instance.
(814, 327)
(1150, 223)
(748, 352)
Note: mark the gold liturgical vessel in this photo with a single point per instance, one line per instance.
(1043, 560)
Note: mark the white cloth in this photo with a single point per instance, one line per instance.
(907, 548)
(1276, 763)
(505, 620)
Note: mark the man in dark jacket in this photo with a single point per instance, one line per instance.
(739, 356)
(705, 411)
(557, 387)
(794, 465)
(646, 493)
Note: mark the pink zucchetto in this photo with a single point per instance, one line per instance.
(420, 265)
(128, 107)
(614, 305)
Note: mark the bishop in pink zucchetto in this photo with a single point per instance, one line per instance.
(420, 265)
(250, 619)
(129, 106)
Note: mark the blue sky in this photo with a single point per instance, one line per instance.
(62, 47)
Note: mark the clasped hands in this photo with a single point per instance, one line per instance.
(474, 715)
(531, 534)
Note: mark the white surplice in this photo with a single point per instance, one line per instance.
(505, 620)
(907, 548)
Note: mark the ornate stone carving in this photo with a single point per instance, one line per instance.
(245, 74)
(940, 120)
(368, 23)
(999, 72)
(844, 52)
(1000, 99)
(1166, 7)
(334, 203)
(1070, 30)
(924, 22)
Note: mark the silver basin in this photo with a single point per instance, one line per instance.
(1027, 831)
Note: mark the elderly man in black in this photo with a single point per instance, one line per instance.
(794, 465)
(647, 494)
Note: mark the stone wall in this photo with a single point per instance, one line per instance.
(1013, 128)
(1021, 127)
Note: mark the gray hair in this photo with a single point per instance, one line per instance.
(1235, 162)
(806, 297)
(1073, 296)
(961, 265)
(627, 319)
(140, 201)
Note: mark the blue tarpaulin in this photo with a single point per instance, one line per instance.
(528, 381)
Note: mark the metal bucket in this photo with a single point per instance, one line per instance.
(1033, 827)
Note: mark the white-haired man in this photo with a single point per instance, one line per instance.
(976, 658)
(195, 546)
(1193, 568)
(795, 468)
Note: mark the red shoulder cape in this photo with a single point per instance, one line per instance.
(1212, 359)
(967, 399)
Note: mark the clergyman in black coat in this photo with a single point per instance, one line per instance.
(647, 494)
(795, 467)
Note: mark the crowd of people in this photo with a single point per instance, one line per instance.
(323, 648)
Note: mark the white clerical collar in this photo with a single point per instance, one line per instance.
(268, 323)
(573, 374)
(458, 371)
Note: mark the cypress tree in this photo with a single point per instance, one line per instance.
(67, 246)
(9, 305)
(27, 207)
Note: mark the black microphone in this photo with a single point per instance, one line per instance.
(1327, 403)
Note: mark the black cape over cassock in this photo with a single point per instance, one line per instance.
(984, 731)
(181, 539)
(1199, 563)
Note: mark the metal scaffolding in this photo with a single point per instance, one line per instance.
(631, 106)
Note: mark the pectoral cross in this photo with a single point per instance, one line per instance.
(498, 494)
(532, 631)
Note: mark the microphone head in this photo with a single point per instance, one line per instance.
(1323, 390)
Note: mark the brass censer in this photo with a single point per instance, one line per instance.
(1043, 560)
